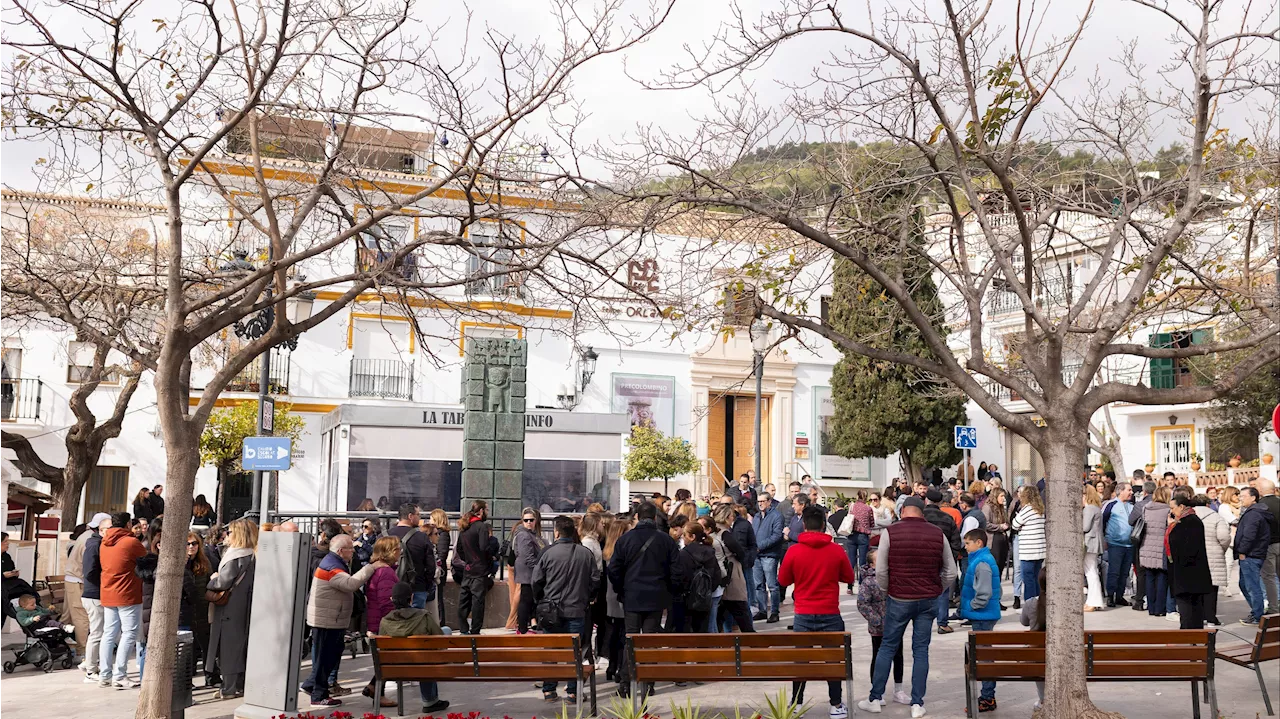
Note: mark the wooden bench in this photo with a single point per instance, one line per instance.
(1178, 655)
(1264, 648)
(794, 656)
(462, 658)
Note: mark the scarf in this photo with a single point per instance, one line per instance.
(233, 554)
(1168, 553)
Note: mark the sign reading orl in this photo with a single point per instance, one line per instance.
(966, 437)
(268, 454)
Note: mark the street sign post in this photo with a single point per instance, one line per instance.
(966, 439)
(266, 454)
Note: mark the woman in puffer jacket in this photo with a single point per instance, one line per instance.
(1151, 553)
(377, 594)
(1217, 540)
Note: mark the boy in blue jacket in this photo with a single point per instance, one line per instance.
(980, 599)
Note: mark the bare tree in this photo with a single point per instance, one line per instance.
(1053, 241)
(250, 125)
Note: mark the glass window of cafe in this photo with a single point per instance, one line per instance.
(552, 485)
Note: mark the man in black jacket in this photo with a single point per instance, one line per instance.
(745, 494)
(934, 515)
(91, 596)
(640, 572)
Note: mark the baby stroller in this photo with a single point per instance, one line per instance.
(44, 647)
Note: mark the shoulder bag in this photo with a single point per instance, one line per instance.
(220, 597)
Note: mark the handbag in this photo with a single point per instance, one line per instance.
(220, 597)
(1139, 529)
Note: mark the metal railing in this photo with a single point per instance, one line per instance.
(385, 379)
(249, 378)
(406, 268)
(21, 399)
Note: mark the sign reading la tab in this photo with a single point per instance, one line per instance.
(449, 418)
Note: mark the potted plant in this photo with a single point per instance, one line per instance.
(1267, 458)
(1234, 461)
(1196, 459)
(1150, 467)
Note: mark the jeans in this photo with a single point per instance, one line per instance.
(326, 652)
(1017, 569)
(1251, 587)
(1157, 592)
(419, 600)
(985, 625)
(1031, 578)
(919, 613)
(713, 619)
(944, 607)
(1270, 580)
(818, 623)
(142, 659)
(856, 544)
(1118, 561)
(768, 598)
(93, 646)
(119, 635)
(567, 625)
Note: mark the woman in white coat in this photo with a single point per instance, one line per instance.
(1229, 508)
(1092, 523)
(1217, 542)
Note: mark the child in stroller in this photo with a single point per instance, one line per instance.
(46, 638)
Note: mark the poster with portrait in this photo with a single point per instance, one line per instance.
(831, 465)
(649, 400)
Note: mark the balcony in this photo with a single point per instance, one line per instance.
(249, 379)
(21, 400)
(383, 379)
(369, 259)
(1004, 394)
(498, 286)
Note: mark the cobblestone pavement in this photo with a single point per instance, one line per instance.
(31, 694)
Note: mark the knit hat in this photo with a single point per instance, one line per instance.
(704, 510)
(933, 495)
(913, 501)
(98, 519)
(402, 595)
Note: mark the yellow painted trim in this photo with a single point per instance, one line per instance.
(524, 226)
(1166, 427)
(353, 316)
(389, 186)
(486, 306)
(293, 406)
(462, 332)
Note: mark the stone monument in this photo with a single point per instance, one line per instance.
(493, 396)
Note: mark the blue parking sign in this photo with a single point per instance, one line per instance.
(268, 454)
(966, 437)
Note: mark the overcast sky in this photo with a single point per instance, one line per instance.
(616, 104)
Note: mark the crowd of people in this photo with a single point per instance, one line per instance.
(917, 554)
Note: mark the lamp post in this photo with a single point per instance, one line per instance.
(759, 343)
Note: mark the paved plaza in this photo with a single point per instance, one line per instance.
(31, 694)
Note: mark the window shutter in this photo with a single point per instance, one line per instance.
(1163, 375)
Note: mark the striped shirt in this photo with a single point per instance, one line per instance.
(1029, 524)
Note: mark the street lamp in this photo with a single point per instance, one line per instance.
(759, 343)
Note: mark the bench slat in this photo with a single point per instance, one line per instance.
(726, 656)
(1180, 637)
(1021, 670)
(1149, 654)
(391, 657)
(788, 640)
(1148, 670)
(488, 672)
(1005, 639)
(785, 671)
(461, 641)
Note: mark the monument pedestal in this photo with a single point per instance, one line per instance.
(493, 394)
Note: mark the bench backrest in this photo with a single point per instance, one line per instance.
(1266, 647)
(464, 658)
(799, 656)
(1179, 654)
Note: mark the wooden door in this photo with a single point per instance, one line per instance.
(716, 443)
(744, 436)
(107, 491)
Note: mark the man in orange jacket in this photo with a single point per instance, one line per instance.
(121, 602)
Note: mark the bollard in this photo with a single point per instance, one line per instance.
(184, 666)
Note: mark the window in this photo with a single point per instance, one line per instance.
(1170, 372)
(80, 364)
(378, 244)
(107, 491)
(491, 260)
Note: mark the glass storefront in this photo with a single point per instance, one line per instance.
(1025, 462)
(552, 485)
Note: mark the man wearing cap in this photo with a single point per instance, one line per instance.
(934, 514)
(913, 563)
(91, 593)
(73, 610)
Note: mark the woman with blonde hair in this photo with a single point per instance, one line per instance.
(1092, 522)
(1032, 548)
(1229, 508)
(229, 629)
(527, 545)
(1151, 553)
(440, 519)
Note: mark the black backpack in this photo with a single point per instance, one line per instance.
(406, 572)
(697, 597)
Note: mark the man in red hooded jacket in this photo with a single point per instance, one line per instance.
(121, 601)
(817, 567)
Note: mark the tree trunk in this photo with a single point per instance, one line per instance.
(1066, 694)
(75, 475)
(182, 459)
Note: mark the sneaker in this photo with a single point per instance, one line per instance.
(917, 711)
(104, 682)
(1122, 602)
(326, 702)
(986, 705)
(758, 616)
(944, 629)
(1249, 622)
(838, 712)
(773, 619)
(869, 706)
(124, 684)
(902, 697)
(1171, 617)
(337, 690)
(435, 706)
(1213, 623)
(92, 678)
(83, 666)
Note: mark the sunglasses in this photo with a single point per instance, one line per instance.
(193, 544)
(529, 520)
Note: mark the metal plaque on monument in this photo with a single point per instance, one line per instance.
(493, 395)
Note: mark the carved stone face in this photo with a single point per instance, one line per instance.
(498, 376)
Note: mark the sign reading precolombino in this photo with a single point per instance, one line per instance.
(648, 400)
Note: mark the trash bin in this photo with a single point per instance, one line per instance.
(184, 667)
